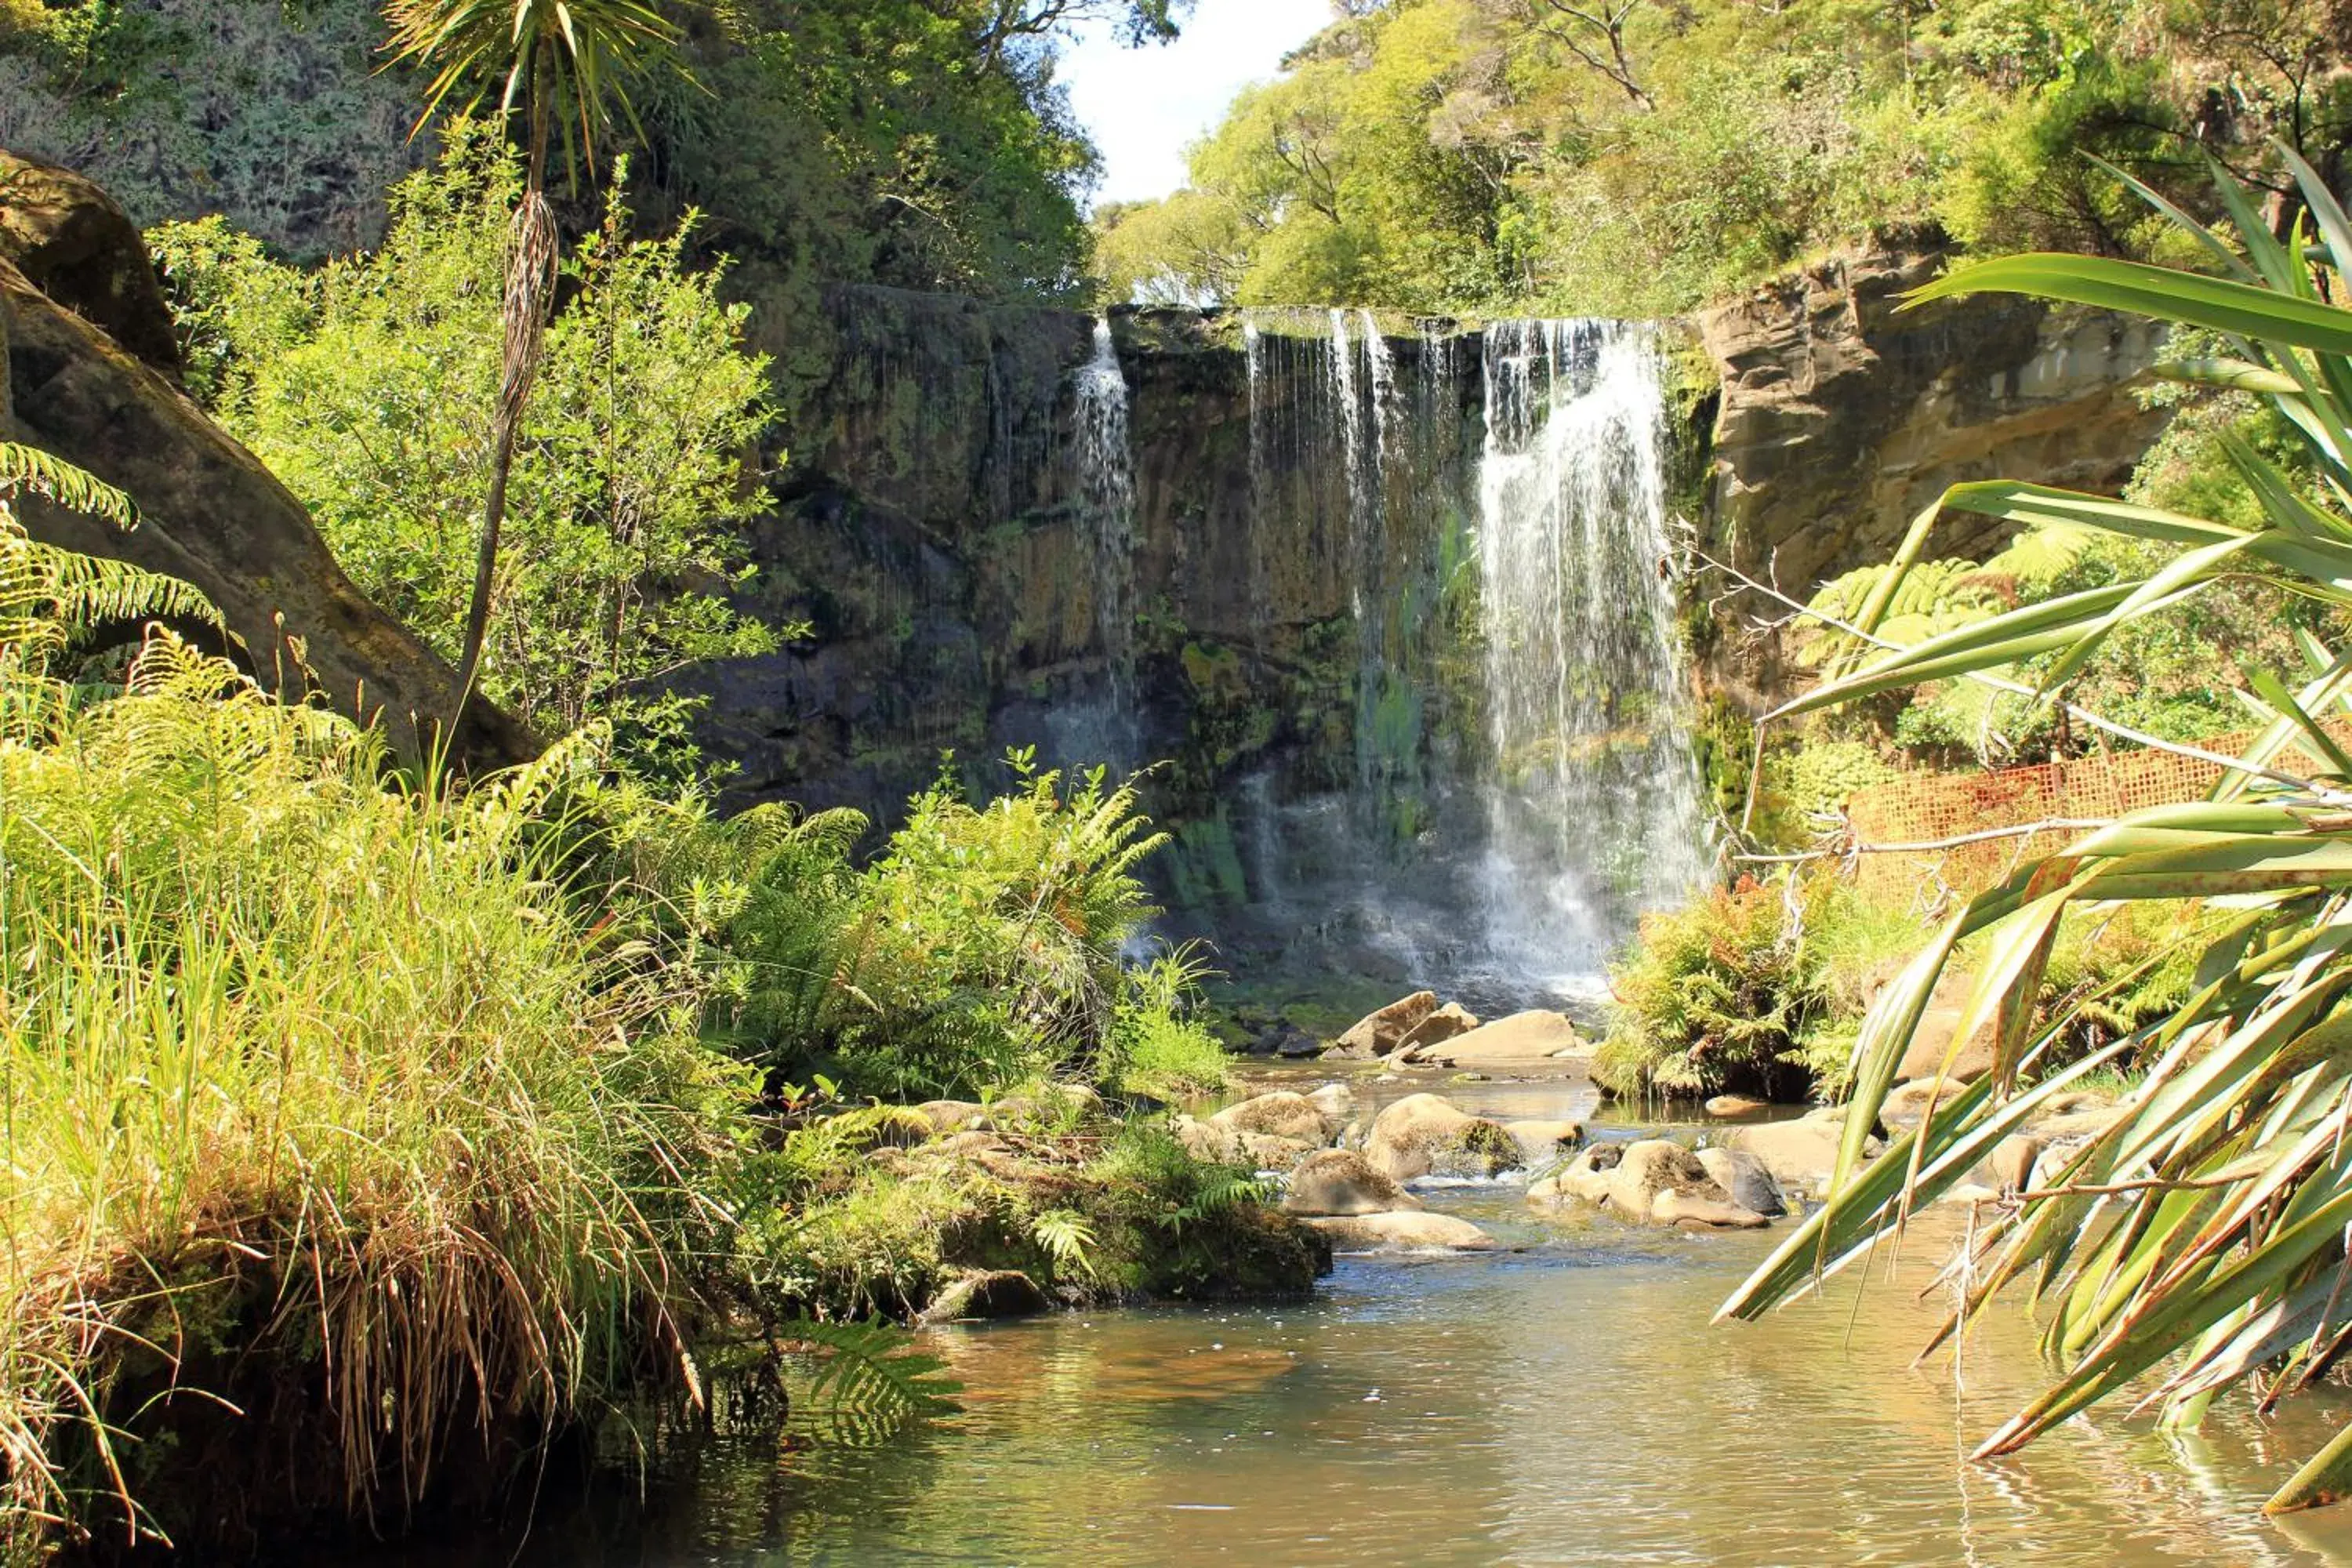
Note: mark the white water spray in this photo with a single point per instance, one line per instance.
(1593, 808)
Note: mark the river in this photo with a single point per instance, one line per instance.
(1564, 1401)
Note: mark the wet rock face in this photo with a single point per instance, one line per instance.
(933, 530)
(1842, 413)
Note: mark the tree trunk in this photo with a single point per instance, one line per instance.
(529, 291)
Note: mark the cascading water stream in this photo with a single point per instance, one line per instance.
(1593, 802)
(1488, 514)
(1106, 464)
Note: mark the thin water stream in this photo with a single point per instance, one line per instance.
(1565, 1401)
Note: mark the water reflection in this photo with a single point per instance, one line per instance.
(1564, 1402)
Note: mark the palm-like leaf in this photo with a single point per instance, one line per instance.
(575, 55)
(2201, 1237)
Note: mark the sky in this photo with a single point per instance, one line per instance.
(1144, 107)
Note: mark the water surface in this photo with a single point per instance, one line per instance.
(1564, 1402)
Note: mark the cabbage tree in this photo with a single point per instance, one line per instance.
(2201, 1238)
(558, 68)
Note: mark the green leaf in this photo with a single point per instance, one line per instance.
(2223, 305)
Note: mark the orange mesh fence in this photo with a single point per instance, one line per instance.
(1930, 808)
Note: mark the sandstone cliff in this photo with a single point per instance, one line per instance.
(1844, 413)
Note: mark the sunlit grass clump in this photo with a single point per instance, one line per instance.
(297, 1063)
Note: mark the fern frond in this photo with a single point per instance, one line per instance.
(871, 1379)
(29, 469)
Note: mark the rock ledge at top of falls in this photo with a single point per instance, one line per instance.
(211, 514)
(1844, 414)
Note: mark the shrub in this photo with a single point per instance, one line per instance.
(368, 388)
(313, 1084)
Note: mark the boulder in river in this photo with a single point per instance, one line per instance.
(1924, 1056)
(1376, 1034)
(1543, 1142)
(1230, 1146)
(1655, 1179)
(1744, 1177)
(1535, 1036)
(1584, 1179)
(1423, 1136)
(1907, 1104)
(1802, 1154)
(1445, 1024)
(1406, 1230)
(988, 1293)
(1280, 1114)
(1336, 1101)
(1340, 1182)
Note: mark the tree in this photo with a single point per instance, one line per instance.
(559, 66)
(368, 387)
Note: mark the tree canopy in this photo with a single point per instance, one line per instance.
(1639, 155)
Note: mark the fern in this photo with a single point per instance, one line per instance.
(29, 469)
(49, 596)
(1068, 1240)
(870, 1379)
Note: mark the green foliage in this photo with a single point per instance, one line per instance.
(290, 1059)
(1753, 988)
(869, 1380)
(369, 387)
(1634, 158)
(984, 945)
(561, 62)
(2200, 1239)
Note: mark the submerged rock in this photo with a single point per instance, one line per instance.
(1339, 1182)
(1402, 1231)
(1731, 1105)
(1377, 1034)
(1423, 1135)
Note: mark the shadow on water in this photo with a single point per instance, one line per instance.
(1564, 1401)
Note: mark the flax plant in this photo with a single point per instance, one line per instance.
(2200, 1242)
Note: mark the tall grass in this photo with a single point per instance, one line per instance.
(292, 1060)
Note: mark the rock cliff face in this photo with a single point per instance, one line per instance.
(1844, 414)
(211, 515)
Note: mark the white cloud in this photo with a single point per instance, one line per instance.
(1144, 107)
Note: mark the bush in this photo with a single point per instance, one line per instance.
(982, 946)
(369, 387)
(1715, 997)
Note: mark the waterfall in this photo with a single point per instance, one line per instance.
(1482, 518)
(1593, 801)
(1109, 730)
